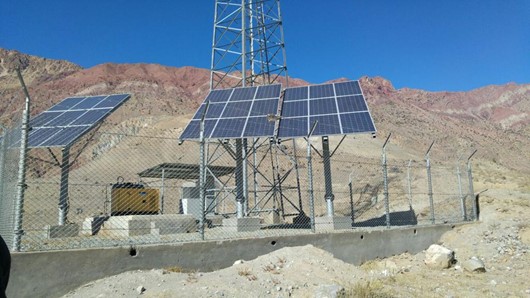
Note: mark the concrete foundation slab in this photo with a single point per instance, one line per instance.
(68, 230)
(245, 224)
(136, 225)
(333, 223)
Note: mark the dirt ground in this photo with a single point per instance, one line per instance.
(501, 240)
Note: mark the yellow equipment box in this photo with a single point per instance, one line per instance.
(134, 199)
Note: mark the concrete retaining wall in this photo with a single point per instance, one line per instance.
(52, 274)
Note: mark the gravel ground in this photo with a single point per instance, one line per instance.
(501, 240)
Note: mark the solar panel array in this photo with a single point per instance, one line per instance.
(236, 113)
(338, 109)
(67, 121)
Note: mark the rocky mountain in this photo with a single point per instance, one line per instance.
(494, 119)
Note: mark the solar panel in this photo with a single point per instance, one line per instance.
(339, 108)
(236, 113)
(67, 121)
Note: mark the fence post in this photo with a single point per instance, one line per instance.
(21, 184)
(460, 192)
(385, 183)
(350, 184)
(429, 181)
(471, 190)
(409, 184)
(310, 179)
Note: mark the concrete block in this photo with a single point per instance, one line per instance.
(271, 218)
(68, 230)
(245, 224)
(174, 223)
(333, 223)
(126, 226)
(92, 225)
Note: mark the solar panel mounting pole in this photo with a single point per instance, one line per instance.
(63, 193)
(327, 176)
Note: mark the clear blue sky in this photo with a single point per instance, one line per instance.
(432, 45)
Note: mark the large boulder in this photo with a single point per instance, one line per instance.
(439, 257)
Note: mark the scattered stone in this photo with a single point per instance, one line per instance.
(474, 265)
(278, 288)
(493, 282)
(140, 289)
(239, 262)
(329, 291)
(439, 257)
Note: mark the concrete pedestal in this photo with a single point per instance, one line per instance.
(333, 223)
(136, 225)
(68, 230)
(91, 225)
(246, 224)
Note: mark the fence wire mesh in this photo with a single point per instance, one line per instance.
(132, 182)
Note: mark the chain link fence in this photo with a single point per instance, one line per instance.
(131, 182)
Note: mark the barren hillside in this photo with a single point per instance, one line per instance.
(493, 119)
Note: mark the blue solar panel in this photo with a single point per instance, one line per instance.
(290, 127)
(43, 118)
(219, 95)
(322, 106)
(298, 93)
(236, 113)
(89, 102)
(90, 117)
(354, 103)
(339, 108)
(318, 91)
(40, 135)
(229, 128)
(327, 125)
(269, 91)
(65, 118)
(357, 122)
(65, 136)
(294, 108)
(236, 109)
(112, 101)
(264, 107)
(259, 127)
(68, 120)
(243, 93)
(66, 104)
(347, 88)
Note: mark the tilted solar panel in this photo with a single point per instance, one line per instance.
(236, 113)
(67, 121)
(339, 108)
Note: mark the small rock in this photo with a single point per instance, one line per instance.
(278, 288)
(493, 282)
(268, 292)
(239, 262)
(140, 289)
(474, 265)
(439, 257)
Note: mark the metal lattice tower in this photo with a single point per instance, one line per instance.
(248, 44)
